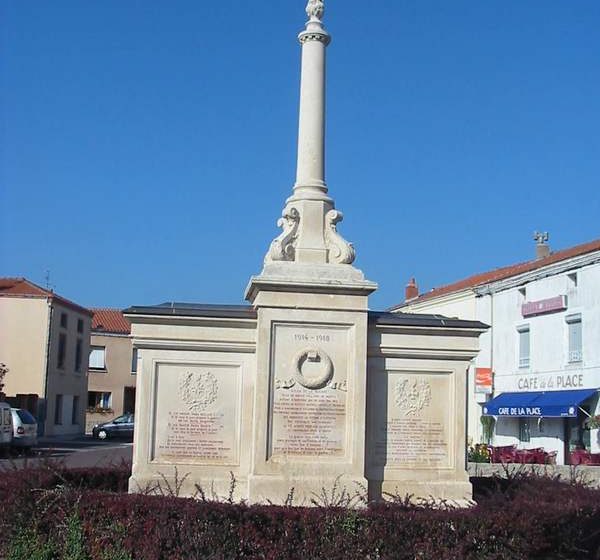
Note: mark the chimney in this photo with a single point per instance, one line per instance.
(411, 291)
(542, 249)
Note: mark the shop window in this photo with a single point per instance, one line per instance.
(99, 400)
(524, 430)
(75, 410)
(62, 351)
(575, 338)
(524, 346)
(78, 350)
(98, 357)
(58, 409)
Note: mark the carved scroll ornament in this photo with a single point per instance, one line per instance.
(340, 251)
(283, 247)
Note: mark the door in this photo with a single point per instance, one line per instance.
(129, 400)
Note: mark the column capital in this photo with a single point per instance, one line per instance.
(315, 9)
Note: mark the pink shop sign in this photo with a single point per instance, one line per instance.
(550, 305)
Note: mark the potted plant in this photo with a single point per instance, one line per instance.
(593, 422)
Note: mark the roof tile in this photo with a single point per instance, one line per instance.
(507, 272)
(110, 321)
(15, 287)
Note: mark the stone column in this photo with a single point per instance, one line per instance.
(310, 175)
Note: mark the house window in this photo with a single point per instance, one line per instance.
(75, 410)
(573, 278)
(97, 357)
(62, 350)
(78, 350)
(575, 338)
(99, 400)
(524, 430)
(58, 409)
(79, 325)
(524, 344)
(63, 320)
(134, 361)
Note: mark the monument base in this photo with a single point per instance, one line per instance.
(343, 490)
(186, 484)
(440, 493)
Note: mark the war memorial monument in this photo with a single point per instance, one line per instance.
(305, 388)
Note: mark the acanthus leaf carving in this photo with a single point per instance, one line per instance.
(283, 247)
(340, 250)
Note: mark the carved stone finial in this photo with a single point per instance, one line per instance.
(315, 9)
(283, 247)
(340, 251)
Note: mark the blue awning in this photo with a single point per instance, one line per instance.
(553, 404)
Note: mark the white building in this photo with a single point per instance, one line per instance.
(542, 352)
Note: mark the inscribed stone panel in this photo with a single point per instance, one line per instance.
(196, 416)
(309, 387)
(411, 422)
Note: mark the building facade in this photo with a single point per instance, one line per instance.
(538, 372)
(45, 342)
(112, 368)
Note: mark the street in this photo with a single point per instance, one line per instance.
(80, 452)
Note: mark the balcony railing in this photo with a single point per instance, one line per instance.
(575, 356)
(524, 362)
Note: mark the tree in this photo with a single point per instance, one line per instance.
(3, 371)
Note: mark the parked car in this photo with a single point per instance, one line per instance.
(24, 429)
(6, 427)
(120, 427)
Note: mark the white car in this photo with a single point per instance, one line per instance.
(6, 427)
(24, 429)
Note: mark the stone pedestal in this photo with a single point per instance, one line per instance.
(310, 404)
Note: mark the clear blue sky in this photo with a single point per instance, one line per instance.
(148, 147)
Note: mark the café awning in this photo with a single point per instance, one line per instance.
(548, 404)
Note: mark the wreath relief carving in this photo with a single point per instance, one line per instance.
(321, 366)
(198, 390)
(412, 396)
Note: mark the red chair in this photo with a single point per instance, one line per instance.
(525, 456)
(504, 454)
(580, 457)
(595, 459)
(550, 457)
(539, 455)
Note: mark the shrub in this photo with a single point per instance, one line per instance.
(84, 514)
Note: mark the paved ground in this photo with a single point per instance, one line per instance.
(81, 452)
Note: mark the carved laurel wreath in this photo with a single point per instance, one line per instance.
(412, 397)
(198, 390)
(315, 355)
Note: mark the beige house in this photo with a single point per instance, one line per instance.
(44, 341)
(112, 368)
